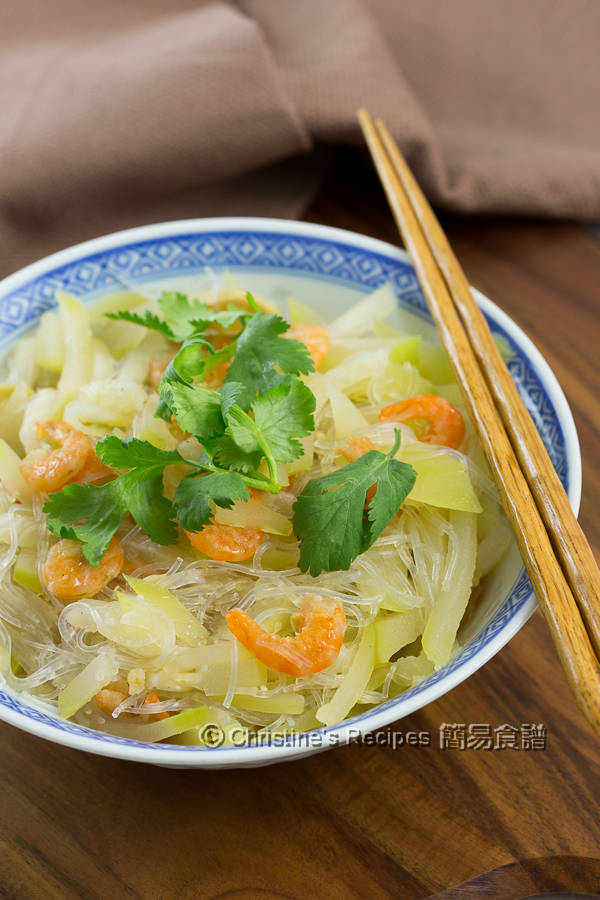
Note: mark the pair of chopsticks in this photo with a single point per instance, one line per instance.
(556, 554)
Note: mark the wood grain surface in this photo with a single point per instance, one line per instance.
(363, 820)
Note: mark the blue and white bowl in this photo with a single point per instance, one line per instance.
(329, 269)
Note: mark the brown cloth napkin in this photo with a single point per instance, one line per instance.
(121, 113)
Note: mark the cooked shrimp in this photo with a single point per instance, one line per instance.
(315, 338)
(444, 424)
(355, 447)
(111, 696)
(51, 470)
(93, 470)
(227, 543)
(312, 649)
(70, 576)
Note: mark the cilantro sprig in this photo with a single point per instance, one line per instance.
(182, 317)
(332, 517)
(255, 421)
(93, 513)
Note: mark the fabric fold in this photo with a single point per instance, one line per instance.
(117, 114)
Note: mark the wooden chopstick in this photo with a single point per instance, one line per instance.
(552, 589)
(570, 543)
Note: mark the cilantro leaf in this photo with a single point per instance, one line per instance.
(329, 515)
(129, 453)
(243, 431)
(98, 511)
(196, 408)
(259, 350)
(195, 492)
(230, 394)
(182, 317)
(227, 455)
(93, 513)
(148, 320)
(194, 358)
(284, 414)
(185, 317)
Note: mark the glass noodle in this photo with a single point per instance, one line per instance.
(162, 630)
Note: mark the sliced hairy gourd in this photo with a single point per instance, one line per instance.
(209, 669)
(452, 393)
(100, 671)
(359, 318)
(442, 478)
(167, 728)
(187, 627)
(279, 704)
(355, 373)
(45, 405)
(409, 670)
(300, 313)
(50, 341)
(147, 427)
(114, 302)
(140, 628)
(6, 664)
(407, 380)
(78, 352)
(441, 628)
(254, 514)
(354, 683)
(434, 363)
(103, 363)
(10, 474)
(225, 729)
(25, 571)
(407, 350)
(21, 362)
(346, 416)
(13, 403)
(135, 364)
(335, 356)
(491, 549)
(122, 337)
(20, 521)
(102, 405)
(306, 721)
(396, 631)
(318, 385)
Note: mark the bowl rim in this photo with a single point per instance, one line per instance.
(371, 720)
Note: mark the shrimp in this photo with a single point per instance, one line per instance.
(314, 648)
(111, 696)
(70, 576)
(227, 543)
(50, 470)
(355, 447)
(444, 425)
(93, 470)
(315, 338)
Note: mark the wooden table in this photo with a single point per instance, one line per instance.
(361, 821)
